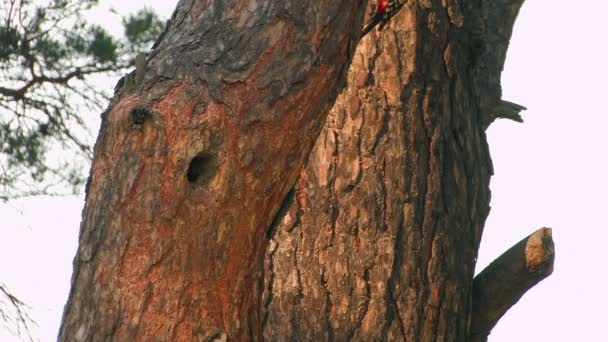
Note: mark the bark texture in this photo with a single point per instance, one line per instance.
(379, 238)
(193, 162)
(196, 158)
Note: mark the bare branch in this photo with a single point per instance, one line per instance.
(22, 320)
(18, 94)
(500, 285)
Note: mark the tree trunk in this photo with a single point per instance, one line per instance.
(193, 161)
(378, 238)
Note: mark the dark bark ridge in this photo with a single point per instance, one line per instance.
(179, 199)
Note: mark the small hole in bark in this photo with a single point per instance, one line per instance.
(202, 167)
(139, 115)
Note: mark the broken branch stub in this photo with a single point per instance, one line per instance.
(500, 285)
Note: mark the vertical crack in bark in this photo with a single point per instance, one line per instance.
(400, 58)
(422, 178)
(371, 79)
(297, 265)
(363, 308)
(385, 121)
(298, 221)
(328, 305)
(332, 191)
(439, 320)
(383, 193)
(360, 161)
(296, 256)
(266, 307)
(289, 198)
(393, 280)
(359, 141)
(433, 276)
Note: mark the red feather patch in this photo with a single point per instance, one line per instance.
(382, 6)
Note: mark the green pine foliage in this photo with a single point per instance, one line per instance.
(49, 55)
(141, 29)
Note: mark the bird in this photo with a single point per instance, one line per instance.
(385, 10)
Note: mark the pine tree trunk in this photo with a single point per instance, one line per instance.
(379, 238)
(192, 163)
(191, 233)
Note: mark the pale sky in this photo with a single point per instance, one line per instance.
(550, 171)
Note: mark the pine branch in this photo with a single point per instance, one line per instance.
(500, 285)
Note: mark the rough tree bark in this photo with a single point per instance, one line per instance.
(192, 162)
(378, 238)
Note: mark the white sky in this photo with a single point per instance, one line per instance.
(550, 171)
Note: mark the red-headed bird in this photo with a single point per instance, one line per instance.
(382, 6)
(385, 10)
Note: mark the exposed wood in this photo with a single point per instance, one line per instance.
(500, 285)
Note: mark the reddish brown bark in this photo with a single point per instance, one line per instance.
(173, 230)
(378, 238)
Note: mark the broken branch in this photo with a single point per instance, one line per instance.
(500, 285)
